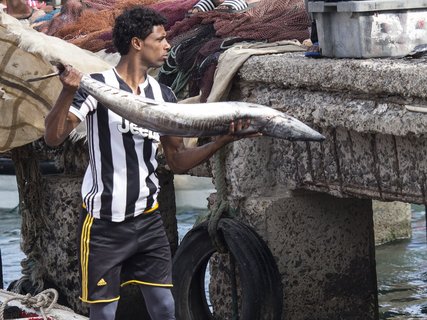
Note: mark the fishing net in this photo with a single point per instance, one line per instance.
(99, 4)
(89, 24)
(88, 35)
(187, 25)
(270, 20)
(70, 12)
(181, 64)
(174, 10)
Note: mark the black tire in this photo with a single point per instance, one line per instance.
(260, 281)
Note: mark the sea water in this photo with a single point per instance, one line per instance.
(402, 273)
(10, 229)
(401, 265)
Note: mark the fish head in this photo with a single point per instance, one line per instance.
(286, 127)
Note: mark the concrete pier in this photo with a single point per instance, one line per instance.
(392, 221)
(325, 251)
(311, 202)
(375, 149)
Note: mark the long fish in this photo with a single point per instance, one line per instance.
(197, 120)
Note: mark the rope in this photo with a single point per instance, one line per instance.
(44, 301)
(221, 204)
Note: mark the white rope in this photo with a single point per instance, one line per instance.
(44, 301)
(416, 109)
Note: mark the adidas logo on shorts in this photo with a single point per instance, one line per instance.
(101, 283)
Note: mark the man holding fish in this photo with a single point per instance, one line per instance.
(122, 238)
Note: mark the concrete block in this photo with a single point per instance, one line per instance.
(392, 221)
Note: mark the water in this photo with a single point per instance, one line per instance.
(402, 273)
(10, 230)
(401, 266)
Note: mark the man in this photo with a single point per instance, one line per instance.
(121, 228)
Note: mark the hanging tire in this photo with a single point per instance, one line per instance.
(260, 281)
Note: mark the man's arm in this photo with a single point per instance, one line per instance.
(181, 159)
(60, 122)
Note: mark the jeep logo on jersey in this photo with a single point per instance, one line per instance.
(128, 126)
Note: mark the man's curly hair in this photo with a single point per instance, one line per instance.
(135, 22)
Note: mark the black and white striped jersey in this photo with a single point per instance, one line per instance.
(120, 181)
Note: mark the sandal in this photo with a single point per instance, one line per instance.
(314, 51)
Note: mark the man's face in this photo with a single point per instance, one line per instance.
(155, 48)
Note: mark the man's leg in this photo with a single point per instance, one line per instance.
(103, 311)
(159, 302)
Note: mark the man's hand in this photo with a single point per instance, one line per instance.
(59, 122)
(181, 158)
(70, 78)
(237, 131)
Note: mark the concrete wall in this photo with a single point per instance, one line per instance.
(324, 250)
(392, 221)
(324, 245)
(374, 148)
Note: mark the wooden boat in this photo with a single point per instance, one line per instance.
(18, 307)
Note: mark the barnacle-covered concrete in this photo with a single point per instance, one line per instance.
(312, 202)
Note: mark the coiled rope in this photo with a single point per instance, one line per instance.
(44, 301)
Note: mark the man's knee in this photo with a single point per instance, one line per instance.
(160, 303)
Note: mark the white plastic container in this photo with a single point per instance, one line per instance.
(370, 29)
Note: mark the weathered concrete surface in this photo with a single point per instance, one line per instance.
(371, 77)
(392, 221)
(59, 238)
(374, 147)
(324, 249)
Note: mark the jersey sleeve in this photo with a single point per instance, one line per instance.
(83, 103)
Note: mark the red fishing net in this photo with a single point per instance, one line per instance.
(69, 14)
(173, 10)
(270, 20)
(196, 40)
(88, 24)
(99, 4)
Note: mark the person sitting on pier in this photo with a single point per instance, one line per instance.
(230, 6)
(121, 231)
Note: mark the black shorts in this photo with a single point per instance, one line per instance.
(114, 254)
